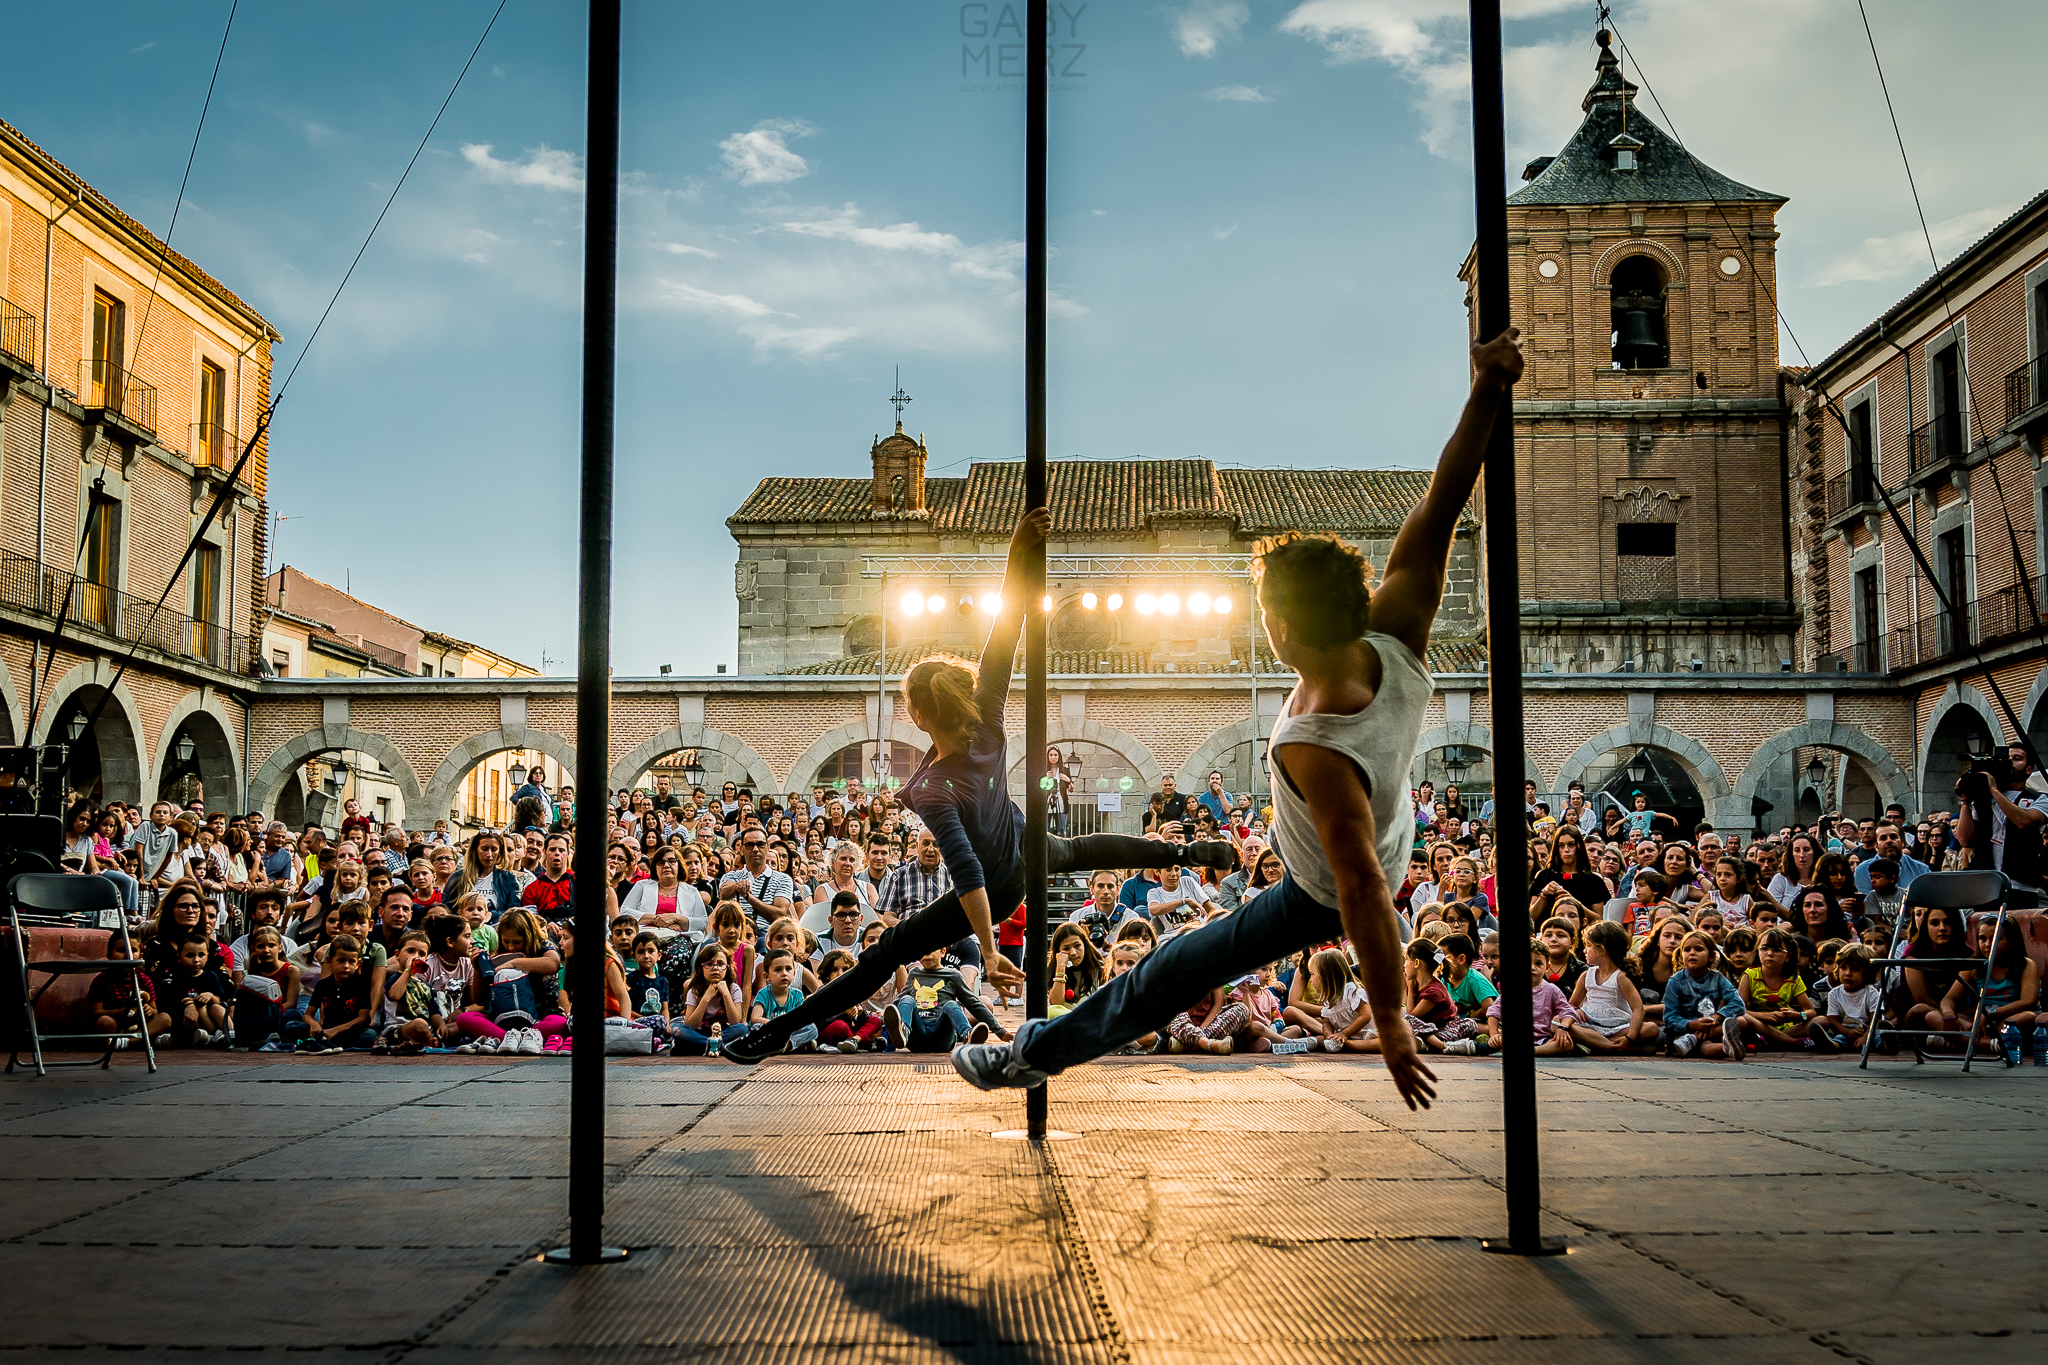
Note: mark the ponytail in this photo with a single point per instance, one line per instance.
(942, 690)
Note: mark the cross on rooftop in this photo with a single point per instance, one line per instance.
(899, 398)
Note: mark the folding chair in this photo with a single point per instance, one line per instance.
(68, 901)
(1971, 892)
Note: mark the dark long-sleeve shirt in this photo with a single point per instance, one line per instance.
(931, 989)
(964, 799)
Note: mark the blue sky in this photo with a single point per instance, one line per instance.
(1257, 208)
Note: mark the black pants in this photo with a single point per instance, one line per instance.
(944, 922)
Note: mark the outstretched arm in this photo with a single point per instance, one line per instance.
(1365, 902)
(999, 654)
(1413, 584)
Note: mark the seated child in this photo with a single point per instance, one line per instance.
(931, 1014)
(339, 1017)
(516, 1013)
(1123, 956)
(1778, 1010)
(1651, 893)
(1855, 999)
(1551, 1013)
(195, 994)
(414, 1018)
(712, 1011)
(1431, 1014)
(269, 993)
(1345, 1017)
(1469, 991)
(646, 988)
(1738, 952)
(1611, 1018)
(2007, 993)
(1702, 1012)
(112, 998)
(1887, 898)
(858, 1029)
(617, 998)
(1263, 1031)
(1210, 1025)
(1561, 966)
(780, 994)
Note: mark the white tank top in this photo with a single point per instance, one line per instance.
(1381, 741)
(1603, 998)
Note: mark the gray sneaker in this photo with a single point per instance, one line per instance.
(998, 1066)
(1685, 1044)
(1731, 1034)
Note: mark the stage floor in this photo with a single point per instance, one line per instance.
(1210, 1210)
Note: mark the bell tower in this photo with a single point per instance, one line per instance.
(1650, 425)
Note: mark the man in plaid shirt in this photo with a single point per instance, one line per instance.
(915, 883)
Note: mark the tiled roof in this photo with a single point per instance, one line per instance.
(1584, 172)
(1115, 497)
(9, 133)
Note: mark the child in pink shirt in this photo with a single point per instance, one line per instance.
(1552, 1014)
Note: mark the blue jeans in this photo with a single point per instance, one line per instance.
(936, 1031)
(130, 892)
(690, 1043)
(1275, 924)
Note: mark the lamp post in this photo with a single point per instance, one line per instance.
(693, 770)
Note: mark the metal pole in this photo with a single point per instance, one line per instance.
(1504, 663)
(1035, 984)
(593, 649)
(1251, 623)
(882, 690)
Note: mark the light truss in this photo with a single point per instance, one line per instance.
(1058, 566)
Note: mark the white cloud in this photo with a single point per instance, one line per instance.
(543, 167)
(144, 48)
(685, 249)
(1202, 27)
(1238, 94)
(846, 225)
(1225, 234)
(694, 300)
(759, 156)
(1099, 213)
(1905, 253)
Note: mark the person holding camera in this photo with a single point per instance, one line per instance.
(2001, 822)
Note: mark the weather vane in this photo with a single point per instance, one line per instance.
(899, 398)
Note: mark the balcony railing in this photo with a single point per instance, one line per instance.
(18, 333)
(2006, 614)
(2026, 388)
(102, 384)
(1939, 440)
(1850, 490)
(27, 585)
(1864, 656)
(213, 446)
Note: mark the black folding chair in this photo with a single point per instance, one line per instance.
(1971, 892)
(69, 901)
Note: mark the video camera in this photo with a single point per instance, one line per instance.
(1984, 773)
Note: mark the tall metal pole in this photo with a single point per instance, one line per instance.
(882, 690)
(1035, 984)
(593, 648)
(1504, 662)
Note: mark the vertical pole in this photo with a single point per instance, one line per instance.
(1251, 624)
(593, 648)
(882, 689)
(1504, 659)
(1035, 984)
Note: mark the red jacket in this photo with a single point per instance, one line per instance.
(552, 899)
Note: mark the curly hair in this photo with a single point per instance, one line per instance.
(1319, 586)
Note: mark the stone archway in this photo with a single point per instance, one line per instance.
(441, 788)
(1885, 771)
(804, 771)
(269, 780)
(2034, 711)
(1134, 751)
(1959, 709)
(695, 737)
(1715, 789)
(13, 719)
(117, 735)
(215, 752)
(1471, 736)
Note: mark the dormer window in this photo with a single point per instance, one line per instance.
(1625, 150)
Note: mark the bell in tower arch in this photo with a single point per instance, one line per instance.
(1637, 297)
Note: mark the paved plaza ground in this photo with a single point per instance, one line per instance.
(857, 1210)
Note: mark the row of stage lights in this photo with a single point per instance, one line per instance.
(916, 603)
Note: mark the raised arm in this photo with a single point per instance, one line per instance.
(999, 653)
(1412, 586)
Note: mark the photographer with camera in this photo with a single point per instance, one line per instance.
(2001, 821)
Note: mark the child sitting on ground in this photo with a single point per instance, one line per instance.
(712, 1012)
(1777, 1008)
(780, 994)
(1702, 1012)
(1854, 1001)
(626, 928)
(789, 936)
(513, 980)
(1431, 1014)
(1211, 1024)
(932, 1013)
(646, 987)
(1611, 1018)
(1123, 956)
(1263, 1031)
(1887, 898)
(1345, 1017)
(1561, 966)
(415, 1013)
(1730, 891)
(857, 1029)
(195, 994)
(617, 999)
(1469, 991)
(2007, 992)
(1305, 1000)
(1651, 892)
(268, 995)
(112, 998)
(1552, 1015)
(339, 1017)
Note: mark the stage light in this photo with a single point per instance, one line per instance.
(991, 602)
(1045, 602)
(1147, 604)
(1116, 601)
(1169, 604)
(1088, 601)
(935, 604)
(913, 603)
(1222, 604)
(1198, 604)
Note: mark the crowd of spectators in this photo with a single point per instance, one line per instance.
(726, 908)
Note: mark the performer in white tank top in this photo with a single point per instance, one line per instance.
(1340, 755)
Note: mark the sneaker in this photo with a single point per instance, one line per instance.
(849, 1045)
(1287, 1047)
(161, 1040)
(1211, 853)
(751, 1047)
(998, 1066)
(466, 1049)
(1731, 1034)
(1333, 1044)
(488, 1044)
(2009, 1036)
(531, 1044)
(977, 1035)
(892, 1029)
(1685, 1044)
(272, 1044)
(1463, 1047)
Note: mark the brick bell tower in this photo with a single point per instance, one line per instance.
(1650, 425)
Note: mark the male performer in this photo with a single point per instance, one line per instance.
(1340, 752)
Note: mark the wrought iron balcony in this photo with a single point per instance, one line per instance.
(2026, 389)
(29, 586)
(105, 387)
(18, 334)
(1850, 491)
(2012, 612)
(1939, 440)
(213, 446)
